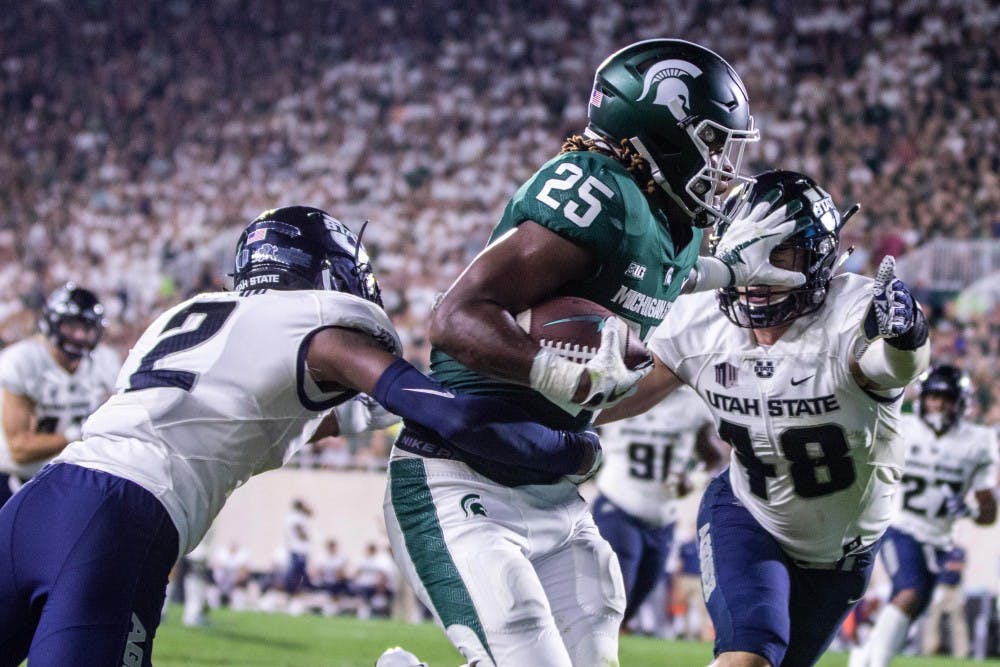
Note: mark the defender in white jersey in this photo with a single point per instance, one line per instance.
(647, 460)
(51, 383)
(805, 388)
(948, 458)
(219, 388)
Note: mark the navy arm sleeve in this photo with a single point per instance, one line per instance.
(480, 425)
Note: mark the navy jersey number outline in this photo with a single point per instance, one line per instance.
(803, 470)
(915, 485)
(215, 315)
(48, 423)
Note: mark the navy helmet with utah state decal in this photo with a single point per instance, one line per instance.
(73, 320)
(813, 249)
(685, 111)
(952, 384)
(300, 247)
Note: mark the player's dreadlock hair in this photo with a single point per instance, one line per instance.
(637, 167)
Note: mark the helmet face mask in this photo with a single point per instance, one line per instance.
(73, 321)
(952, 389)
(299, 247)
(685, 111)
(813, 251)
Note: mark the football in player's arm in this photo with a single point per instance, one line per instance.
(51, 382)
(805, 384)
(645, 472)
(219, 388)
(948, 459)
(614, 218)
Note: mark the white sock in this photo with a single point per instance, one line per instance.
(887, 637)
(195, 595)
(857, 657)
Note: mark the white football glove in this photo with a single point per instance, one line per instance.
(746, 245)
(611, 381)
(362, 413)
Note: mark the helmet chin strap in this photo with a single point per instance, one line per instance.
(601, 142)
(661, 180)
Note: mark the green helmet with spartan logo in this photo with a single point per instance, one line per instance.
(685, 111)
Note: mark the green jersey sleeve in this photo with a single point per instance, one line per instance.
(582, 196)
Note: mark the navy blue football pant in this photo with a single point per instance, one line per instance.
(911, 564)
(642, 550)
(84, 559)
(296, 576)
(759, 599)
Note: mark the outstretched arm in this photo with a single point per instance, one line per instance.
(743, 253)
(892, 349)
(486, 427)
(650, 390)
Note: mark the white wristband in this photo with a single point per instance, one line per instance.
(889, 367)
(712, 273)
(555, 377)
(353, 417)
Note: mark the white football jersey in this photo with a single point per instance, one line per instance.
(646, 456)
(963, 459)
(217, 390)
(61, 398)
(816, 459)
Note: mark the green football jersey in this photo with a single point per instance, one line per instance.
(590, 199)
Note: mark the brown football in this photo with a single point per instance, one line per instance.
(571, 326)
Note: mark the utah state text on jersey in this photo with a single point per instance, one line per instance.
(776, 407)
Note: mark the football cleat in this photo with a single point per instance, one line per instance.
(398, 657)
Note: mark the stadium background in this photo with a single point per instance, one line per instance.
(138, 137)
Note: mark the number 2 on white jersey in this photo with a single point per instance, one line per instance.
(571, 211)
(180, 333)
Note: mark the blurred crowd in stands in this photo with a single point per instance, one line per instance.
(138, 137)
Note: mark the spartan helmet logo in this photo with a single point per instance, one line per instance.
(666, 77)
(471, 505)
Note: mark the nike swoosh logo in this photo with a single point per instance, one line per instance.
(432, 392)
(853, 600)
(796, 383)
(615, 395)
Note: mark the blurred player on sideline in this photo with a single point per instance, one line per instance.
(948, 457)
(647, 461)
(51, 383)
(219, 388)
(805, 384)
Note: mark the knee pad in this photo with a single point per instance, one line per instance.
(613, 585)
(506, 591)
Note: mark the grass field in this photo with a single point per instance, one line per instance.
(252, 639)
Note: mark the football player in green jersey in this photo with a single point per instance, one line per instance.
(507, 556)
